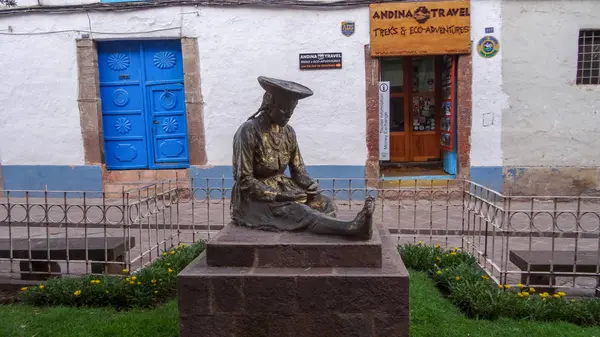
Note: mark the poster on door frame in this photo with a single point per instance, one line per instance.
(384, 120)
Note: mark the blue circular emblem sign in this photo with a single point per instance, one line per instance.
(488, 46)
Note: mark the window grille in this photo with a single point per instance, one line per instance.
(588, 63)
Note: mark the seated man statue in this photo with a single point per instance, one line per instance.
(263, 197)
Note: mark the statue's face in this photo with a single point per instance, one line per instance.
(282, 111)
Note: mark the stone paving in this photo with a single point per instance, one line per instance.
(567, 224)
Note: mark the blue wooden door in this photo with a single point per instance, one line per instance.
(166, 104)
(143, 105)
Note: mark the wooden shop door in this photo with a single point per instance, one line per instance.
(414, 109)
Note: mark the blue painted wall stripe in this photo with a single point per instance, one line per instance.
(86, 178)
(488, 176)
(349, 177)
(89, 178)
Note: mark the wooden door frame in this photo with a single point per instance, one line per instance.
(464, 79)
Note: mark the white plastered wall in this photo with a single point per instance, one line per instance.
(551, 120)
(39, 115)
(488, 97)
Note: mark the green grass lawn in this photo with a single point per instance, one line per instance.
(431, 316)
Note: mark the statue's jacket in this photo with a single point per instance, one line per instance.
(261, 154)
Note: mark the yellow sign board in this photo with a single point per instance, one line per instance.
(420, 28)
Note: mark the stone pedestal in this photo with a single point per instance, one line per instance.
(253, 283)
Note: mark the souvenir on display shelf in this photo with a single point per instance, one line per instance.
(424, 114)
(447, 104)
(447, 77)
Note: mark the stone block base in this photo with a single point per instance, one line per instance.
(304, 302)
(236, 246)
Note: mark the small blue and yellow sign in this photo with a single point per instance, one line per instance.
(348, 27)
(488, 46)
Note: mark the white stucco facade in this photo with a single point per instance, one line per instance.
(39, 114)
(488, 97)
(550, 121)
(526, 110)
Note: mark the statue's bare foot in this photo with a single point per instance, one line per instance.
(363, 223)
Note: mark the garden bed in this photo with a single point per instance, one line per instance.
(460, 279)
(152, 285)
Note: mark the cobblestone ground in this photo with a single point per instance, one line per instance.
(568, 225)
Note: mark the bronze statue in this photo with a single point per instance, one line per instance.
(263, 197)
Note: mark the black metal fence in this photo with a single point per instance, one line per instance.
(534, 240)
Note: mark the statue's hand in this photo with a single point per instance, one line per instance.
(313, 189)
(289, 196)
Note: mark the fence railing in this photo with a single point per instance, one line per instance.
(106, 232)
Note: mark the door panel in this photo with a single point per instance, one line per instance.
(398, 151)
(123, 120)
(425, 146)
(141, 83)
(163, 62)
(169, 129)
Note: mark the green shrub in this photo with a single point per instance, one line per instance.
(151, 285)
(474, 293)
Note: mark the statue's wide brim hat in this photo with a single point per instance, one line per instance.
(283, 88)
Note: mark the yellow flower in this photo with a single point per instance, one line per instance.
(453, 253)
(561, 293)
(506, 286)
(131, 282)
(420, 243)
(156, 291)
(544, 295)
(456, 249)
(172, 252)
(447, 255)
(457, 278)
(139, 283)
(531, 290)
(485, 277)
(439, 272)
(573, 301)
(437, 246)
(95, 281)
(77, 292)
(125, 271)
(133, 278)
(164, 254)
(525, 294)
(556, 296)
(446, 269)
(127, 279)
(520, 294)
(183, 245)
(520, 285)
(153, 281)
(438, 258)
(42, 286)
(108, 292)
(500, 286)
(24, 289)
(170, 270)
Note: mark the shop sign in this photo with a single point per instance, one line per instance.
(384, 120)
(321, 61)
(420, 28)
